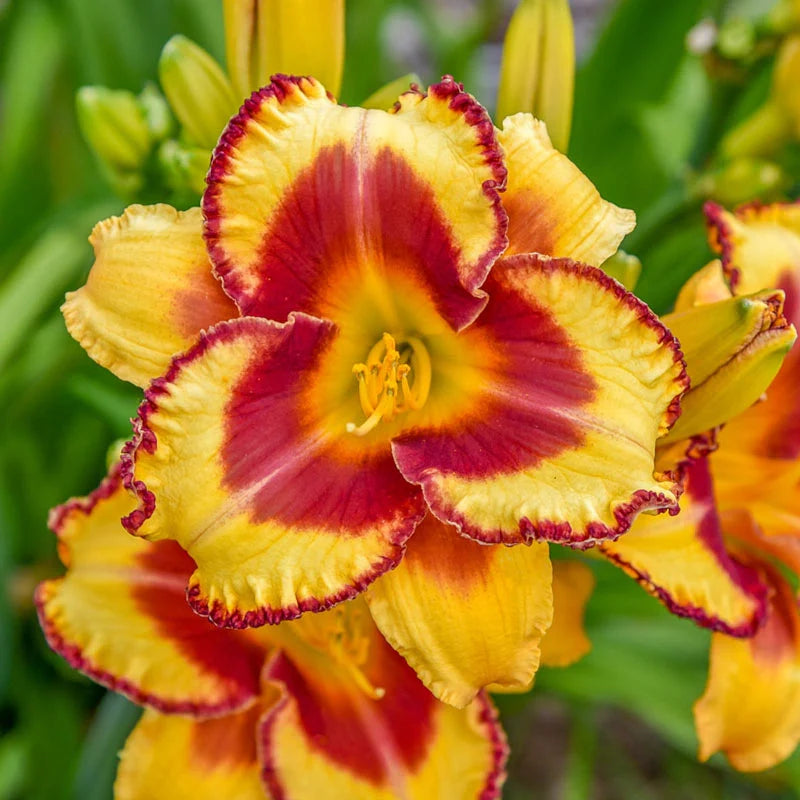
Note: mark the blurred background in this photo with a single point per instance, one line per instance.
(659, 84)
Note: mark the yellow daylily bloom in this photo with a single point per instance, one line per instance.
(537, 73)
(320, 707)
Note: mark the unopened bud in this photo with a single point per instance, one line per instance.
(184, 167)
(114, 125)
(624, 268)
(742, 180)
(197, 89)
(537, 74)
(265, 37)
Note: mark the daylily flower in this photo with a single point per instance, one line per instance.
(388, 375)
(320, 707)
(722, 560)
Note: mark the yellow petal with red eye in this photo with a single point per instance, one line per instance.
(707, 285)
(683, 562)
(170, 757)
(559, 442)
(324, 737)
(309, 201)
(149, 293)
(733, 350)
(553, 208)
(233, 460)
(760, 248)
(566, 642)
(751, 706)
(465, 615)
(120, 614)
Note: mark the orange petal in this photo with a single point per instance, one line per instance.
(566, 642)
(683, 562)
(464, 615)
(120, 614)
(560, 441)
(175, 758)
(751, 706)
(232, 461)
(553, 208)
(309, 203)
(149, 293)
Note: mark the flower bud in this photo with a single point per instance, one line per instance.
(733, 350)
(265, 37)
(197, 89)
(184, 168)
(537, 73)
(624, 268)
(743, 179)
(114, 125)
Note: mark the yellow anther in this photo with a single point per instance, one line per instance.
(383, 376)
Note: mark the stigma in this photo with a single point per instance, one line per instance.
(386, 387)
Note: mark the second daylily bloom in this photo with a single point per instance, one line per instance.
(388, 373)
(321, 707)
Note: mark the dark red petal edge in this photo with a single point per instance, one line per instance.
(744, 577)
(281, 85)
(234, 132)
(722, 240)
(223, 618)
(72, 654)
(477, 117)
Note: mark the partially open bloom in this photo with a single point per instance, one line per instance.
(723, 560)
(382, 373)
(320, 707)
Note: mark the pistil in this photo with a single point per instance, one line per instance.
(384, 386)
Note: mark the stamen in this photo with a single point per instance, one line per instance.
(385, 375)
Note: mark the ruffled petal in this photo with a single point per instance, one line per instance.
(566, 641)
(233, 461)
(149, 293)
(760, 247)
(314, 207)
(465, 615)
(560, 438)
(683, 562)
(326, 738)
(751, 706)
(120, 615)
(552, 207)
(175, 758)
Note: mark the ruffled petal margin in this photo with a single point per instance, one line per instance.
(560, 442)
(171, 757)
(231, 460)
(321, 739)
(683, 562)
(553, 208)
(309, 202)
(465, 615)
(120, 615)
(149, 293)
(751, 706)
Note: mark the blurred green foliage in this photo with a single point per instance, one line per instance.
(647, 118)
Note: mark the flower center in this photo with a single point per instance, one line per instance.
(385, 388)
